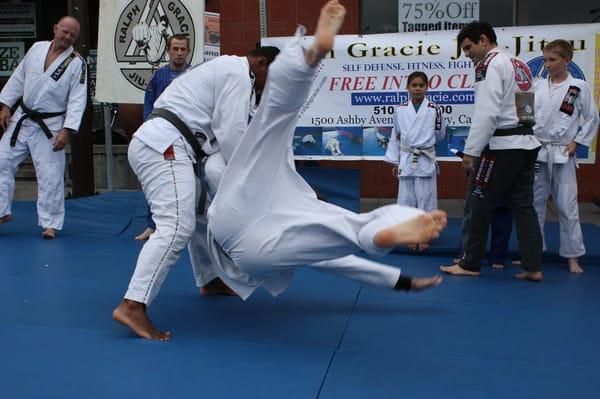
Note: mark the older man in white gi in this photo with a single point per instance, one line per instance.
(49, 89)
(204, 111)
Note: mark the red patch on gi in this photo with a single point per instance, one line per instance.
(523, 75)
(169, 154)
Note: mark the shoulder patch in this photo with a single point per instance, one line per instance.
(568, 103)
(482, 66)
(523, 75)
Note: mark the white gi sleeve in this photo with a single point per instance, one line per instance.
(488, 105)
(232, 106)
(15, 87)
(77, 96)
(589, 116)
(392, 155)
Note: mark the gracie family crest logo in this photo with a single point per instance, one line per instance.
(141, 36)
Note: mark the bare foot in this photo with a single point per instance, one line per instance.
(530, 276)
(145, 234)
(329, 24)
(423, 247)
(497, 266)
(217, 287)
(49, 234)
(420, 284)
(456, 270)
(418, 230)
(133, 315)
(6, 219)
(574, 266)
(516, 263)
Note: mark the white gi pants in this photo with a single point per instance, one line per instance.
(170, 189)
(49, 170)
(418, 192)
(268, 219)
(563, 187)
(202, 266)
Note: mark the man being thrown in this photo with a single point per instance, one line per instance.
(263, 229)
(502, 137)
(204, 111)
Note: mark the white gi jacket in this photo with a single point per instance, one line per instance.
(561, 110)
(413, 138)
(56, 89)
(499, 78)
(203, 99)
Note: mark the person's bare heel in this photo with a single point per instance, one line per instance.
(574, 266)
(330, 21)
(418, 230)
(133, 315)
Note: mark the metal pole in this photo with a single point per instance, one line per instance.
(515, 13)
(262, 10)
(108, 148)
(82, 157)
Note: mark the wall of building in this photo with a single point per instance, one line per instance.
(240, 33)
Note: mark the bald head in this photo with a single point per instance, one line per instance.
(66, 31)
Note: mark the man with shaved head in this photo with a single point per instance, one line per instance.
(48, 92)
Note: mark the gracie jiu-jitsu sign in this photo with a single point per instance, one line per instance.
(349, 112)
(133, 41)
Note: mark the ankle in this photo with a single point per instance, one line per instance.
(403, 284)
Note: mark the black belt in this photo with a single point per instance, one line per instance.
(194, 140)
(35, 116)
(515, 131)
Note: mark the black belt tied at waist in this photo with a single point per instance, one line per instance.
(195, 141)
(37, 117)
(515, 131)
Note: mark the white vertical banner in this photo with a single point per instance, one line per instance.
(431, 15)
(132, 41)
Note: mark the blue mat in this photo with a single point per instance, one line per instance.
(323, 338)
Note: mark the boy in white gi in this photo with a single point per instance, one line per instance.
(566, 117)
(418, 125)
(50, 88)
(265, 220)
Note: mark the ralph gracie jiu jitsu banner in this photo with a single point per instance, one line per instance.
(132, 40)
(349, 111)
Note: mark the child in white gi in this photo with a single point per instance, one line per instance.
(566, 117)
(418, 125)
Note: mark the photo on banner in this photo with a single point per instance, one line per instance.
(359, 84)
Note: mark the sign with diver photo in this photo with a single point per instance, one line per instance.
(132, 42)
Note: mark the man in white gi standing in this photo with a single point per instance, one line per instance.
(50, 88)
(500, 152)
(203, 112)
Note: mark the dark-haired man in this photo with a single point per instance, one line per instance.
(201, 115)
(500, 152)
(178, 48)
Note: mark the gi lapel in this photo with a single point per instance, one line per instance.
(36, 88)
